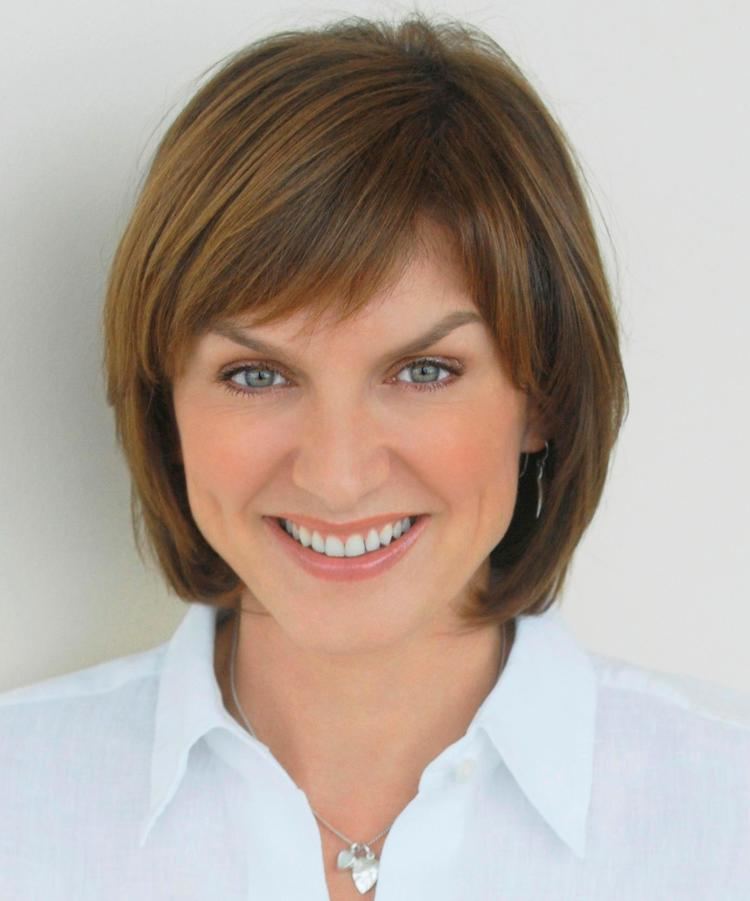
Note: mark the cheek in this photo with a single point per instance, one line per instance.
(476, 442)
(473, 462)
(225, 458)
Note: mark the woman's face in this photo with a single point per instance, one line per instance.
(336, 427)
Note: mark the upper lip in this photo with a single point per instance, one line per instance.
(342, 530)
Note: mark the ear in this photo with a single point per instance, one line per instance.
(535, 432)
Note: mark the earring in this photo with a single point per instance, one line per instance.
(539, 474)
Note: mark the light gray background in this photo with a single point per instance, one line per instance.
(654, 99)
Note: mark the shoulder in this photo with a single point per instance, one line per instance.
(656, 706)
(672, 754)
(75, 754)
(91, 686)
(704, 699)
(72, 715)
(673, 719)
(97, 679)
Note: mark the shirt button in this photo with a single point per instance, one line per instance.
(465, 769)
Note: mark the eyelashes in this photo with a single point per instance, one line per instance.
(225, 378)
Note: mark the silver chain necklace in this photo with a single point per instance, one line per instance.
(358, 857)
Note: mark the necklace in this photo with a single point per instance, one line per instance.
(358, 857)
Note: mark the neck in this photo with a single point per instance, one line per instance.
(338, 723)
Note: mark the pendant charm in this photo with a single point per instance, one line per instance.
(364, 866)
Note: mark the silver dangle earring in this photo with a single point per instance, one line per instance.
(539, 475)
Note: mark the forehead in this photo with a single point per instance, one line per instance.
(424, 285)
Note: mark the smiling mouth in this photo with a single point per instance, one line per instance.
(355, 545)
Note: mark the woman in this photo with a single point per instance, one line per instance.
(365, 370)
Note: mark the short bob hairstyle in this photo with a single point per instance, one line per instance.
(296, 179)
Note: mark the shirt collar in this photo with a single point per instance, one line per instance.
(540, 716)
(189, 704)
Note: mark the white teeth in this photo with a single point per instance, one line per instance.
(372, 543)
(355, 545)
(334, 547)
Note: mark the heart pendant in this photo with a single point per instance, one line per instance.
(364, 867)
(365, 873)
(345, 859)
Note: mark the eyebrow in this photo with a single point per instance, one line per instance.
(439, 330)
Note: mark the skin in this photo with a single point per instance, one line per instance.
(331, 673)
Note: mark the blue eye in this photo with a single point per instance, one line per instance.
(268, 371)
(250, 371)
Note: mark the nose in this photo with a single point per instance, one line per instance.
(341, 455)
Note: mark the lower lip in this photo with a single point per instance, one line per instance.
(345, 569)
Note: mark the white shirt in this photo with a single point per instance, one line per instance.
(580, 778)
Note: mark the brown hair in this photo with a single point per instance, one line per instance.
(296, 178)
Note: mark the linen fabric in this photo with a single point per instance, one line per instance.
(580, 778)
